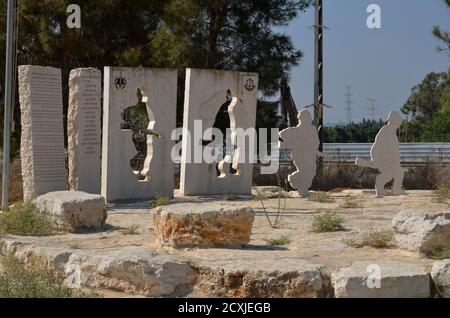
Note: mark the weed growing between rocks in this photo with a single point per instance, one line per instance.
(281, 241)
(35, 281)
(440, 254)
(322, 197)
(160, 201)
(23, 220)
(374, 238)
(327, 222)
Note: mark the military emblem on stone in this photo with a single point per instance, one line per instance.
(385, 157)
(303, 140)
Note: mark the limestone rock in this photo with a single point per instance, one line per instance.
(243, 279)
(73, 211)
(381, 279)
(440, 273)
(84, 130)
(135, 270)
(207, 224)
(422, 231)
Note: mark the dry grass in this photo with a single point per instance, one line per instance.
(374, 238)
(130, 230)
(15, 181)
(442, 193)
(322, 197)
(350, 203)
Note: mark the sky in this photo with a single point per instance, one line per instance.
(380, 63)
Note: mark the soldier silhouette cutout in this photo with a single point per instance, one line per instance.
(303, 140)
(135, 118)
(385, 157)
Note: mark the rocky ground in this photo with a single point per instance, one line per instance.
(125, 260)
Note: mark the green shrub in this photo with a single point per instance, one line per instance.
(322, 197)
(160, 200)
(374, 238)
(440, 254)
(36, 281)
(281, 241)
(23, 220)
(442, 193)
(327, 222)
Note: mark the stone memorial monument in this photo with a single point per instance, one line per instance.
(42, 141)
(139, 115)
(84, 130)
(206, 92)
(385, 157)
(303, 141)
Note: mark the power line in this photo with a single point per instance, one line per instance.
(349, 103)
(373, 108)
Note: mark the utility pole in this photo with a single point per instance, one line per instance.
(318, 71)
(8, 100)
(349, 103)
(373, 108)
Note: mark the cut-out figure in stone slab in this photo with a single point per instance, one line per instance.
(139, 119)
(385, 157)
(303, 140)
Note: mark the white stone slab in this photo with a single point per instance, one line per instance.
(159, 89)
(205, 93)
(84, 130)
(42, 141)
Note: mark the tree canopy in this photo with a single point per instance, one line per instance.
(442, 35)
(217, 34)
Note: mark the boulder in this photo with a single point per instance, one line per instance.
(202, 225)
(440, 273)
(241, 278)
(381, 279)
(73, 211)
(422, 231)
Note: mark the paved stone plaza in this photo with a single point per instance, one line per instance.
(120, 264)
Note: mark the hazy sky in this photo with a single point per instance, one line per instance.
(379, 63)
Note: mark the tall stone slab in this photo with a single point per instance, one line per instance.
(206, 92)
(84, 130)
(42, 142)
(139, 115)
